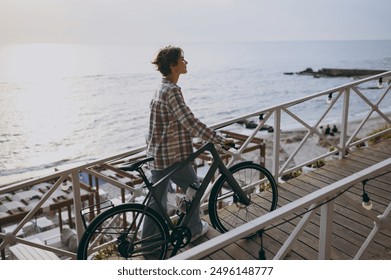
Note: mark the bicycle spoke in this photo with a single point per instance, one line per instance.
(225, 206)
(116, 234)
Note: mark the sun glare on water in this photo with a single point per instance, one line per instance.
(42, 110)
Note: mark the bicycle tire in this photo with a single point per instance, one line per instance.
(226, 212)
(101, 240)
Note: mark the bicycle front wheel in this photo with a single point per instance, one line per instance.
(127, 231)
(227, 212)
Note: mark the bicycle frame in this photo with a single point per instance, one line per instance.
(175, 232)
(217, 164)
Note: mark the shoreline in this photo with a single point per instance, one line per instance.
(312, 148)
(288, 141)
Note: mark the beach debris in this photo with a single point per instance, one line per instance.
(332, 134)
(250, 124)
(291, 175)
(328, 131)
(294, 139)
(381, 137)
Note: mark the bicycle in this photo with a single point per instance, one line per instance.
(240, 194)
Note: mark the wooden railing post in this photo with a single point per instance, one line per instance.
(77, 203)
(325, 230)
(344, 125)
(276, 143)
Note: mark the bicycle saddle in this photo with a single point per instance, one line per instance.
(136, 165)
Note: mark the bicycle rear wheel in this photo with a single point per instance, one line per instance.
(225, 208)
(117, 234)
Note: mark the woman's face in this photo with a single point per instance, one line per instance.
(180, 68)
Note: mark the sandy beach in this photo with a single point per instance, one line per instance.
(312, 147)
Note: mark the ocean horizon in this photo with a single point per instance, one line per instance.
(63, 104)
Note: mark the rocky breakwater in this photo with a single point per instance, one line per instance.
(337, 72)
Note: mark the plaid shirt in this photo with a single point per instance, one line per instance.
(172, 126)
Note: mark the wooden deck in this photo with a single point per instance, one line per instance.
(350, 227)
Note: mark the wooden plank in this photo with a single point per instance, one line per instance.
(273, 240)
(332, 178)
(383, 147)
(350, 226)
(25, 252)
(325, 180)
(312, 229)
(380, 192)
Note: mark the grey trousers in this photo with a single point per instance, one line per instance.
(183, 178)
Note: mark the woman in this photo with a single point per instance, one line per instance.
(171, 128)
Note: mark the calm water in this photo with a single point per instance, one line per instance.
(63, 104)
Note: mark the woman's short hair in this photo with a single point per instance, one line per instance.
(167, 57)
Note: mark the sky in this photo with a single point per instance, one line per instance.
(130, 21)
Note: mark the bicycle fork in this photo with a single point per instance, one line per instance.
(239, 195)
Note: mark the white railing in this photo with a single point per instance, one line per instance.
(346, 142)
(323, 198)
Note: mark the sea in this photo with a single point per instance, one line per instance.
(64, 104)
